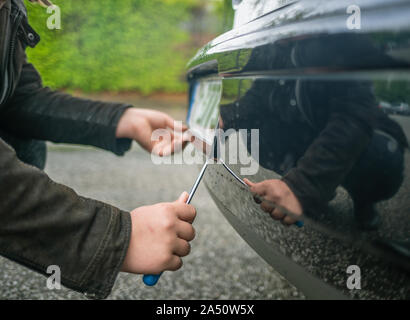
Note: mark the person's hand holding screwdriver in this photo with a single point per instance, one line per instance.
(160, 237)
(276, 192)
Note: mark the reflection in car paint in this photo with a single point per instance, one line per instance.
(320, 97)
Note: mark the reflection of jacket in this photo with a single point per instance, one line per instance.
(43, 223)
(344, 133)
(344, 112)
(314, 141)
(317, 129)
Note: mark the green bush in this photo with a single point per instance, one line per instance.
(114, 45)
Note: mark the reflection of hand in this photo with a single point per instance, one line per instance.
(160, 237)
(277, 193)
(139, 125)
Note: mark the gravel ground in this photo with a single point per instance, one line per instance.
(221, 265)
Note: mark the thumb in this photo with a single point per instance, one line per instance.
(183, 198)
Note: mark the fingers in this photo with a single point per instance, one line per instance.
(272, 193)
(176, 142)
(288, 220)
(165, 147)
(182, 232)
(185, 231)
(185, 212)
(267, 206)
(182, 248)
(168, 147)
(256, 196)
(177, 126)
(174, 263)
(188, 136)
(160, 146)
(277, 214)
(169, 122)
(271, 190)
(260, 189)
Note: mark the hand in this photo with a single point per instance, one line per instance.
(139, 125)
(276, 195)
(160, 237)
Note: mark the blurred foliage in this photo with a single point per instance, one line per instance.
(225, 12)
(140, 45)
(392, 91)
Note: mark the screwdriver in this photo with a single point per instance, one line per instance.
(152, 279)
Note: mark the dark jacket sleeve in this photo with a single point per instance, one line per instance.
(43, 223)
(36, 112)
(332, 155)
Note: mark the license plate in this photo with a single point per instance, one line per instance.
(203, 111)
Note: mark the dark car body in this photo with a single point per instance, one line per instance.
(273, 74)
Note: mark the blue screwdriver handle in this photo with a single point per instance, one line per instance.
(151, 280)
(299, 224)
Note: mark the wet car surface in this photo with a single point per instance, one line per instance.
(311, 87)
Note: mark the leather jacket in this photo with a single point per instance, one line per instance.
(43, 223)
